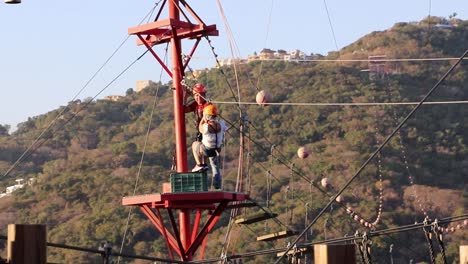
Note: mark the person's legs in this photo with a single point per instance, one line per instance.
(217, 179)
(197, 150)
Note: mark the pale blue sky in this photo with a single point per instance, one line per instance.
(50, 49)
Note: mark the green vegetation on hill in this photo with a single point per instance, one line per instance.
(84, 167)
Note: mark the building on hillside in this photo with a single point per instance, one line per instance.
(252, 57)
(266, 54)
(297, 54)
(279, 54)
(143, 84)
(231, 61)
(10, 189)
(444, 26)
(113, 98)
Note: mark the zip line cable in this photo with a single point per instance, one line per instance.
(388, 231)
(244, 61)
(384, 143)
(394, 230)
(331, 25)
(224, 75)
(347, 104)
(265, 44)
(26, 152)
(232, 45)
(344, 239)
(362, 60)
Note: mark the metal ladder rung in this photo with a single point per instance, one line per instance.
(277, 235)
(294, 251)
(254, 218)
(240, 205)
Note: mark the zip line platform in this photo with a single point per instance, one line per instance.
(186, 240)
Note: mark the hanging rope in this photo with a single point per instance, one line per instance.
(269, 176)
(428, 235)
(366, 248)
(438, 235)
(290, 200)
(400, 137)
(391, 253)
(379, 173)
(359, 247)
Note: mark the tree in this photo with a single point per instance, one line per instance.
(4, 130)
(129, 91)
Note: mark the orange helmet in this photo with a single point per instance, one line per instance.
(211, 110)
(199, 88)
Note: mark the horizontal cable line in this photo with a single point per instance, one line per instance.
(269, 251)
(343, 104)
(102, 252)
(360, 60)
(400, 229)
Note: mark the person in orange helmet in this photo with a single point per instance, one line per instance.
(212, 130)
(197, 106)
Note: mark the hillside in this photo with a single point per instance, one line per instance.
(87, 161)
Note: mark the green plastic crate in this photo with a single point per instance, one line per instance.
(189, 182)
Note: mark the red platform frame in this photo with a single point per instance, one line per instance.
(212, 202)
(184, 240)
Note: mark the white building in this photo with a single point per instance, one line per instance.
(142, 84)
(10, 189)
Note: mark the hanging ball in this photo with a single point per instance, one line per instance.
(362, 221)
(356, 217)
(303, 152)
(263, 98)
(339, 199)
(349, 210)
(325, 182)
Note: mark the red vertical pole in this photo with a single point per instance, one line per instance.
(179, 114)
(184, 224)
(179, 120)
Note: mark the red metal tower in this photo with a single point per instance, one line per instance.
(180, 237)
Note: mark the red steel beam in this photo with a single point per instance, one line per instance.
(207, 228)
(196, 223)
(158, 223)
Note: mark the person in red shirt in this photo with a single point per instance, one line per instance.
(197, 106)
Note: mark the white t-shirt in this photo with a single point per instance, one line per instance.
(213, 140)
